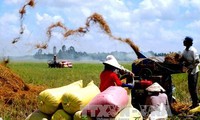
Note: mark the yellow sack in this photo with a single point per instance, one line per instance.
(195, 110)
(38, 115)
(49, 99)
(129, 112)
(61, 115)
(78, 116)
(76, 100)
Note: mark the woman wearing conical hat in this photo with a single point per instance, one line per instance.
(157, 101)
(109, 76)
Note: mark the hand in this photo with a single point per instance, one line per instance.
(131, 74)
(130, 87)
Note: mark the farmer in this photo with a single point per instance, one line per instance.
(157, 101)
(190, 60)
(110, 76)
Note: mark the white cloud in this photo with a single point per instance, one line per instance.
(9, 25)
(160, 21)
(195, 24)
(196, 3)
(8, 18)
(47, 19)
(12, 1)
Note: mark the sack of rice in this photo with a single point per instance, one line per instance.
(75, 100)
(61, 115)
(195, 110)
(129, 112)
(79, 116)
(108, 103)
(50, 99)
(38, 115)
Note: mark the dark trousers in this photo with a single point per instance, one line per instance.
(192, 86)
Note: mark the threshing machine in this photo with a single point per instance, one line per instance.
(148, 71)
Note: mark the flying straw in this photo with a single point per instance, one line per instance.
(57, 24)
(22, 11)
(94, 18)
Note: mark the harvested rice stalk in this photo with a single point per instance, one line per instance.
(5, 61)
(97, 18)
(133, 46)
(15, 40)
(172, 58)
(180, 107)
(21, 27)
(22, 11)
(49, 30)
(42, 46)
(128, 41)
(79, 31)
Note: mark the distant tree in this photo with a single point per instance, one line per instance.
(39, 51)
(63, 48)
(54, 50)
(72, 49)
(38, 54)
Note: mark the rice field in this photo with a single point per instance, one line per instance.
(39, 74)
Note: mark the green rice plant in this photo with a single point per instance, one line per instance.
(41, 74)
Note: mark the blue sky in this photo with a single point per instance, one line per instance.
(153, 25)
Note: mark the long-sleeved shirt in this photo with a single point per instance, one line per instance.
(108, 78)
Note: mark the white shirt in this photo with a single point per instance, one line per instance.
(191, 56)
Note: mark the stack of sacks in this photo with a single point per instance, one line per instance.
(107, 104)
(195, 110)
(76, 100)
(129, 112)
(50, 99)
(78, 116)
(37, 115)
(61, 115)
(73, 101)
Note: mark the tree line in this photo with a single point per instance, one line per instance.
(72, 54)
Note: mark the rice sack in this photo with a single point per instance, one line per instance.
(79, 116)
(61, 115)
(50, 99)
(76, 100)
(195, 110)
(108, 103)
(129, 112)
(38, 115)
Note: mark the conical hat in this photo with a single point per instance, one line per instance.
(111, 60)
(155, 87)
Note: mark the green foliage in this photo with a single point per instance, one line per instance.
(181, 92)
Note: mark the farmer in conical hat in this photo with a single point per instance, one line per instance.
(155, 87)
(157, 100)
(109, 76)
